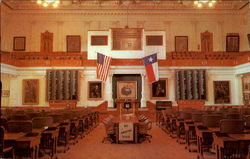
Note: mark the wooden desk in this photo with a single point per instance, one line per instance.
(190, 134)
(51, 136)
(204, 139)
(129, 125)
(220, 143)
(30, 142)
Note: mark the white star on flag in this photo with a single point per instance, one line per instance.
(150, 59)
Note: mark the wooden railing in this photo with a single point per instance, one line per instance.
(63, 59)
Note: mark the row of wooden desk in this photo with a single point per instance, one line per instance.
(224, 146)
(32, 143)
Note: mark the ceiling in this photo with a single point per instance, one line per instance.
(125, 4)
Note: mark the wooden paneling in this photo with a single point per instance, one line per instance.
(46, 42)
(62, 59)
(156, 40)
(127, 39)
(97, 40)
(206, 42)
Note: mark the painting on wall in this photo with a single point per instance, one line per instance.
(221, 92)
(30, 91)
(246, 87)
(232, 43)
(99, 40)
(95, 90)
(5, 93)
(159, 89)
(181, 44)
(126, 89)
(73, 43)
(154, 40)
(19, 43)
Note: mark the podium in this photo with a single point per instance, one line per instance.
(127, 106)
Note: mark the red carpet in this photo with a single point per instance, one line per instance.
(161, 147)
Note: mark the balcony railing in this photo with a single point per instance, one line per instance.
(63, 59)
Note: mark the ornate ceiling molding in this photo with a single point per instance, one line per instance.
(124, 4)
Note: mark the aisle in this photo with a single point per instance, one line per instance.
(161, 147)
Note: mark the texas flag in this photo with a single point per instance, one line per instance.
(151, 65)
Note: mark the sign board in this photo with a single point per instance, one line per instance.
(126, 131)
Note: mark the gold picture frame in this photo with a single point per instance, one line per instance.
(73, 43)
(181, 43)
(30, 92)
(19, 43)
(126, 89)
(5, 93)
(158, 89)
(222, 92)
(95, 90)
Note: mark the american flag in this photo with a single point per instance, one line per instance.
(103, 64)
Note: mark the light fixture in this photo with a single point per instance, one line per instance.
(200, 3)
(46, 3)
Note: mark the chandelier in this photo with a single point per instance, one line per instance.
(201, 3)
(46, 3)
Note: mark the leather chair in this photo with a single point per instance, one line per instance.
(232, 126)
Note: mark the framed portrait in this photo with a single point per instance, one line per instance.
(222, 92)
(97, 40)
(232, 43)
(181, 43)
(19, 43)
(30, 91)
(73, 43)
(154, 40)
(5, 93)
(126, 89)
(246, 96)
(95, 90)
(246, 86)
(159, 89)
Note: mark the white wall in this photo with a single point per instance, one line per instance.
(89, 74)
(126, 54)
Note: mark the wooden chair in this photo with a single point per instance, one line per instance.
(234, 116)
(110, 128)
(197, 117)
(42, 122)
(63, 135)
(142, 131)
(5, 152)
(19, 117)
(232, 126)
(3, 122)
(211, 120)
(19, 126)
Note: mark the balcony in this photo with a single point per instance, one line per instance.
(63, 59)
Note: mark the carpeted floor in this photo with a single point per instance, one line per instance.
(161, 147)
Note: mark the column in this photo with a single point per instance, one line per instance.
(237, 92)
(109, 91)
(143, 99)
(221, 39)
(196, 45)
(84, 37)
(59, 44)
(83, 90)
(14, 94)
(169, 42)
